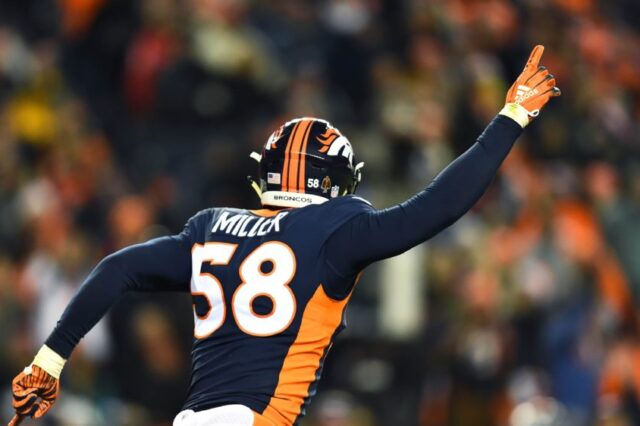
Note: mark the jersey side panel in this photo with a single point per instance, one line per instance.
(322, 317)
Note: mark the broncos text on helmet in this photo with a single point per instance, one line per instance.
(306, 161)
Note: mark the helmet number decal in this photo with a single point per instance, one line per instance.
(273, 284)
(313, 183)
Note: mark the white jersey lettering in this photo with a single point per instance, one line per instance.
(243, 225)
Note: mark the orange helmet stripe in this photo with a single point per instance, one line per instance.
(302, 132)
(285, 168)
(303, 153)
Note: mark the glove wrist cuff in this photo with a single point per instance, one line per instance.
(517, 113)
(49, 361)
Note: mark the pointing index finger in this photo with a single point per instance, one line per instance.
(536, 55)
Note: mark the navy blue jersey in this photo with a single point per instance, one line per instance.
(263, 309)
(270, 287)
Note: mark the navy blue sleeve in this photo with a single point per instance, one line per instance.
(162, 264)
(379, 234)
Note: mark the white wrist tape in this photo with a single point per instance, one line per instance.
(517, 113)
(49, 361)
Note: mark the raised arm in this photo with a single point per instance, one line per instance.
(379, 234)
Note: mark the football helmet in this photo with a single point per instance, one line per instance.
(306, 161)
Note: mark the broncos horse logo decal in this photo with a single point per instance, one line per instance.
(335, 144)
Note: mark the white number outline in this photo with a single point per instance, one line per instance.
(218, 291)
(198, 274)
(284, 284)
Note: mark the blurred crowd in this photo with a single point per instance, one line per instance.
(120, 119)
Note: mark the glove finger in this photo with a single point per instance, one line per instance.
(547, 85)
(50, 394)
(540, 101)
(534, 57)
(18, 379)
(20, 390)
(26, 412)
(23, 403)
(43, 408)
(539, 69)
(553, 92)
(23, 392)
(548, 81)
(23, 396)
(29, 411)
(536, 77)
(26, 381)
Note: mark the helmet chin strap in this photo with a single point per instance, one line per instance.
(254, 155)
(358, 170)
(255, 186)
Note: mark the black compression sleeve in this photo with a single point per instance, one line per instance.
(384, 233)
(162, 264)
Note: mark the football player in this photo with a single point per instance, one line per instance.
(270, 286)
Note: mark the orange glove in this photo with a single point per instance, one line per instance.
(531, 90)
(34, 392)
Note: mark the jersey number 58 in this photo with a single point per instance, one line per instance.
(273, 284)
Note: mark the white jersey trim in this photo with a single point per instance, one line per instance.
(290, 199)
